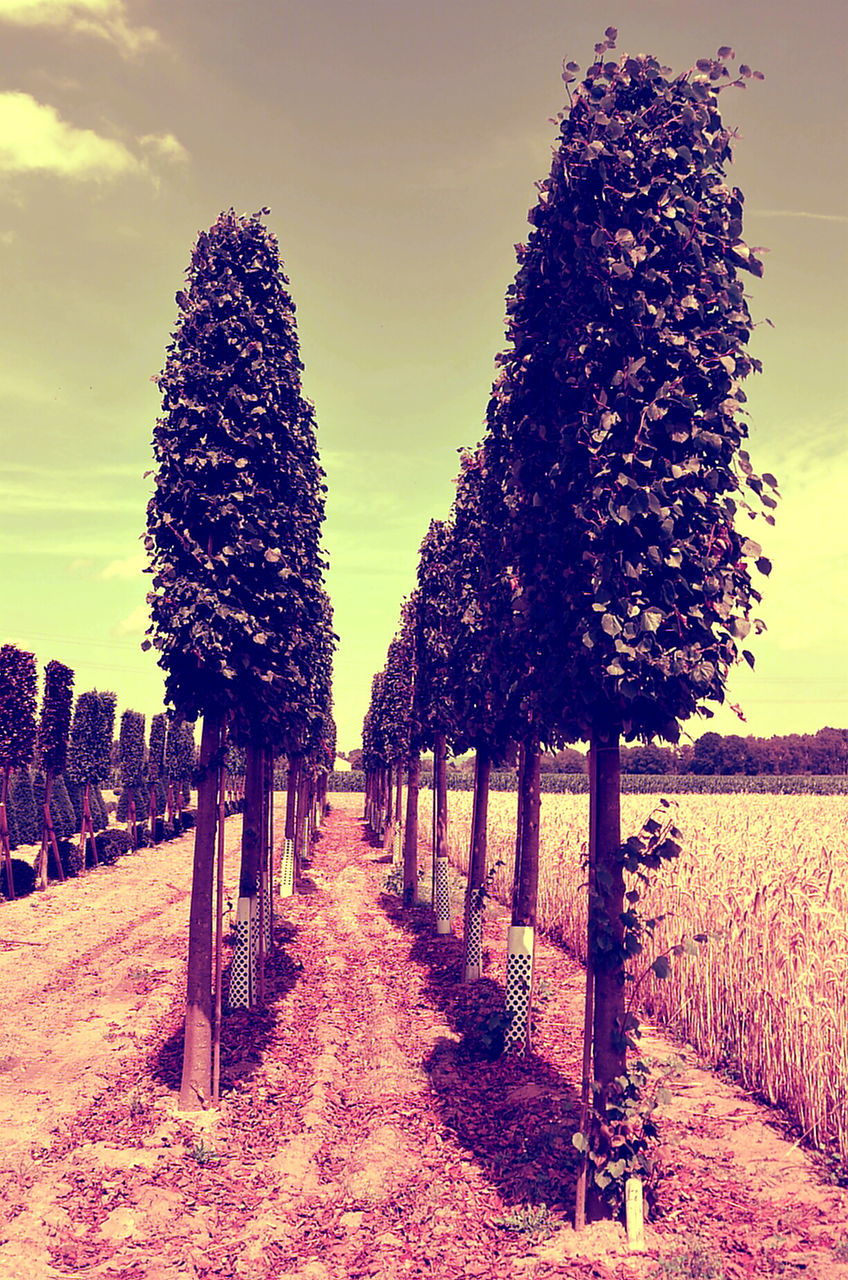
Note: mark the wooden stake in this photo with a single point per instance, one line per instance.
(634, 1215)
(5, 844)
(48, 839)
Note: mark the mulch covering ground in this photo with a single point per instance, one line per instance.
(362, 1133)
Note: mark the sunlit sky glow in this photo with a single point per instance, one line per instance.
(397, 145)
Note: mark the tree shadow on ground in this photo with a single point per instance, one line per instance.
(245, 1033)
(515, 1115)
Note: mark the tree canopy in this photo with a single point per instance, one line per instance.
(617, 420)
(234, 522)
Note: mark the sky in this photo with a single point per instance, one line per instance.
(397, 146)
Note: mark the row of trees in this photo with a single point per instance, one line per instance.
(239, 614)
(592, 583)
(824, 752)
(54, 763)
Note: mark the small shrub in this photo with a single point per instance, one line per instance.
(99, 816)
(70, 856)
(112, 844)
(188, 819)
(22, 803)
(23, 878)
(393, 882)
(486, 1038)
(695, 1261)
(527, 1220)
(64, 818)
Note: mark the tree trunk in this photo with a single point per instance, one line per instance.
(132, 817)
(588, 1015)
(609, 1050)
(474, 904)
(410, 835)
(397, 837)
(5, 846)
(49, 843)
(152, 817)
(268, 863)
(218, 938)
(301, 831)
(196, 1085)
(388, 835)
(87, 827)
(442, 882)
(519, 976)
(519, 815)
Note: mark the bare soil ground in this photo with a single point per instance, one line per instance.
(359, 1134)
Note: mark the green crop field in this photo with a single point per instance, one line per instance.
(766, 876)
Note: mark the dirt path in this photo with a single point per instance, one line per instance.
(359, 1135)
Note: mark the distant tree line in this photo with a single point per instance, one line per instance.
(824, 752)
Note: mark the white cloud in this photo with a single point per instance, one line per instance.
(134, 624)
(105, 19)
(164, 146)
(61, 498)
(128, 567)
(35, 139)
(797, 213)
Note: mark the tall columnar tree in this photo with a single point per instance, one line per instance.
(131, 757)
(233, 535)
(53, 731)
(90, 756)
(479, 662)
(435, 639)
(17, 733)
(618, 428)
(374, 757)
(398, 713)
(180, 762)
(412, 738)
(300, 724)
(156, 772)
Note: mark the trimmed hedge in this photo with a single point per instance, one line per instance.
(639, 784)
(23, 878)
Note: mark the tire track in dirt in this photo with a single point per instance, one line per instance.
(75, 1013)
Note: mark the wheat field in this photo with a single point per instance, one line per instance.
(767, 878)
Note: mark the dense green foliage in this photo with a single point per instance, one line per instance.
(17, 707)
(24, 808)
(616, 423)
(131, 748)
(481, 656)
(90, 748)
(234, 522)
(397, 704)
(156, 747)
(55, 723)
(435, 638)
(179, 752)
